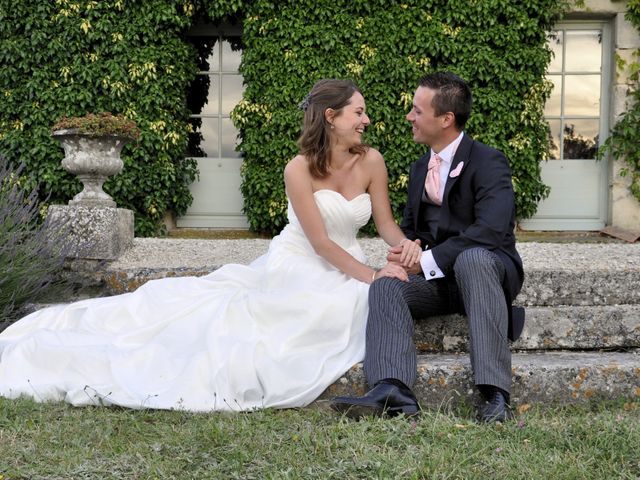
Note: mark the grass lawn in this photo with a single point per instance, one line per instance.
(599, 441)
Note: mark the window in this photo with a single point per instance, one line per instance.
(577, 113)
(217, 199)
(573, 110)
(214, 93)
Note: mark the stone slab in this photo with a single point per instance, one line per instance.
(171, 253)
(626, 34)
(100, 232)
(555, 274)
(621, 233)
(541, 288)
(546, 328)
(554, 287)
(549, 378)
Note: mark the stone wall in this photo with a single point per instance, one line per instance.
(624, 208)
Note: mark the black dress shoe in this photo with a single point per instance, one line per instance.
(388, 397)
(496, 408)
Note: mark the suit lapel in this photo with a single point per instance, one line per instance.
(462, 155)
(418, 186)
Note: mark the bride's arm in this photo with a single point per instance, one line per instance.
(299, 189)
(381, 207)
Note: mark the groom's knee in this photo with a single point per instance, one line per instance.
(385, 287)
(476, 261)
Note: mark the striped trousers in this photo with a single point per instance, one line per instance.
(477, 292)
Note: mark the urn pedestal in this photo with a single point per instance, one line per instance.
(98, 233)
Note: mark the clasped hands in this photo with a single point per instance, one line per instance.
(402, 260)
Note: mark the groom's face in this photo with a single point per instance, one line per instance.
(427, 127)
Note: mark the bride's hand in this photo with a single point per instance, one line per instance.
(392, 270)
(407, 252)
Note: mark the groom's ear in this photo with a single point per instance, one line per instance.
(448, 119)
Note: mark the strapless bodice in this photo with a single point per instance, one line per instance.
(342, 217)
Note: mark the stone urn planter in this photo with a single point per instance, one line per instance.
(92, 159)
(92, 145)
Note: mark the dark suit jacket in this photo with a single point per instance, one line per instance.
(478, 210)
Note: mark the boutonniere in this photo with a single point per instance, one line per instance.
(456, 171)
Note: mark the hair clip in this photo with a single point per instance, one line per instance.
(304, 104)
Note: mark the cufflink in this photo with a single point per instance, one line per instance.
(432, 273)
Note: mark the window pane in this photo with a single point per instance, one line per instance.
(211, 103)
(553, 105)
(194, 148)
(584, 50)
(554, 40)
(582, 95)
(554, 139)
(207, 52)
(198, 94)
(203, 142)
(231, 93)
(231, 54)
(213, 60)
(229, 139)
(580, 138)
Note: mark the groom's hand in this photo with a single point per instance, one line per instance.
(414, 269)
(408, 252)
(398, 255)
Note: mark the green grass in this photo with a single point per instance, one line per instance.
(62, 442)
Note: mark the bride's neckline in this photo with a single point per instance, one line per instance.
(341, 195)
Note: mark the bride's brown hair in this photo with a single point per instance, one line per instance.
(314, 142)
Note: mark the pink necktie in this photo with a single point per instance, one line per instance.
(432, 183)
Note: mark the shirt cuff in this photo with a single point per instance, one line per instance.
(429, 266)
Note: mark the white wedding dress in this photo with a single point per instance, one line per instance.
(275, 333)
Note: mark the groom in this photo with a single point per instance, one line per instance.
(461, 207)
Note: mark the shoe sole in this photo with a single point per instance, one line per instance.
(357, 412)
(408, 410)
(508, 415)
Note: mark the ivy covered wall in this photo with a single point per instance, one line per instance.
(133, 57)
(499, 46)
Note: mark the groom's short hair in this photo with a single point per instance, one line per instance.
(452, 95)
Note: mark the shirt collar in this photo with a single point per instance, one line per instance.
(447, 153)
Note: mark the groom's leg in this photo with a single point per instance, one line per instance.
(479, 274)
(393, 304)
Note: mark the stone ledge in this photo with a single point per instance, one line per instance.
(556, 274)
(550, 378)
(546, 328)
(552, 288)
(589, 287)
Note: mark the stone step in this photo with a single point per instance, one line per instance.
(549, 378)
(556, 274)
(551, 287)
(548, 287)
(546, 328)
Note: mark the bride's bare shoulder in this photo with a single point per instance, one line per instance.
(297, 170)
(297, 164)
(373, 156)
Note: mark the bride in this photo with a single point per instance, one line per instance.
(275, 333)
